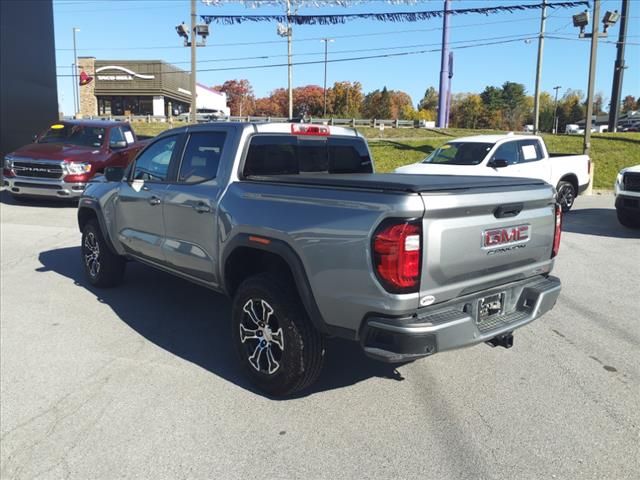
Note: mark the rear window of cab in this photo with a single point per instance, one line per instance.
(292, 155)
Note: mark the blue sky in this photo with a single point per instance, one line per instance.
(144, 29)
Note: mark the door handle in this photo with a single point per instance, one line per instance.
(154, 200)
(202, 208)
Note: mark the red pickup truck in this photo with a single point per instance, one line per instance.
(66, 156)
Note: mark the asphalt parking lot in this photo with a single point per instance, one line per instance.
(141, 381)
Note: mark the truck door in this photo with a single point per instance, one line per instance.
(532, 162)
(508, 152)
(139, 205)
(190, 208)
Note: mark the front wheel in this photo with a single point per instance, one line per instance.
(279, 348)
(103, 267)
(566, 195)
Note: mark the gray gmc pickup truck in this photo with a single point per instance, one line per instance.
(293, 224)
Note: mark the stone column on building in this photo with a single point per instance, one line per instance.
(88, 99)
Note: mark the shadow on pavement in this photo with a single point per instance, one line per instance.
(35, 202)
(601, 222)
(193, 323)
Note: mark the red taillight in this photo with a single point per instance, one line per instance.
(397, 252)
(558, 231)
(313, 130)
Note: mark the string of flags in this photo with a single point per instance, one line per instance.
(382, 17)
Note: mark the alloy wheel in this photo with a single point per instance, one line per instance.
(261, 336)
(92, 254)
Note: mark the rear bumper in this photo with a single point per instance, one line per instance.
(43, 187)
(453, 324)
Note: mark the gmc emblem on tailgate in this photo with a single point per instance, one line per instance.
(497, 237)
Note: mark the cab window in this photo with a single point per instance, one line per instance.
(153, 163)
(507, 151)
(201, 157)
(529, 150)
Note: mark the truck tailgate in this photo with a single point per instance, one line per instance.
(480, 238)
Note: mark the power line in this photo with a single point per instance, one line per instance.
(312, 39)
(374, 49)
(341, 60)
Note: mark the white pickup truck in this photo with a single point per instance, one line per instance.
(509, 155)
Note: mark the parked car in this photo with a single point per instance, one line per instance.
(509, 156)
(291, 222)
(627, 192)
(63, 159)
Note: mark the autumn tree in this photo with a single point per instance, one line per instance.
(466, 110)
(308, 101)
(345, 99)
(378, 104)
(629, 104)
(401, 105)
(428, 104)
(240, 97)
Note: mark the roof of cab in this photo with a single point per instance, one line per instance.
(285, 127)
(492, 138)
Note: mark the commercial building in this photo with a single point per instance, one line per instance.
(141, 87)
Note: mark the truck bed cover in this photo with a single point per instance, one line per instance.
(396, 182)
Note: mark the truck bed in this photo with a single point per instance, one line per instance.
(398, 182)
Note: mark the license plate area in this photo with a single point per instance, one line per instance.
(490, 307)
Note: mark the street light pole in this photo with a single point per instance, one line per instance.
(74, 73)
(326, 43)
(555, 111)
(586, 147)
(536, 106)
(193, 62)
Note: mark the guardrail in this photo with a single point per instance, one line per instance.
(342, 122)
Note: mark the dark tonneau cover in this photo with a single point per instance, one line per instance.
(400, 182)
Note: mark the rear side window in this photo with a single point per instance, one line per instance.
(529, 150)
(287, 154)
(201, 157)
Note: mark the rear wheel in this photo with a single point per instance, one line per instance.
(279, 348)
(566, 195)
(627, 219)
(103, 267)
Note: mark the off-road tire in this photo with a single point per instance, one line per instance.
(103, 267)
(566, 195)
(302, 356)
(628, 220)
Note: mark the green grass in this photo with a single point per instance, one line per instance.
(394, 147)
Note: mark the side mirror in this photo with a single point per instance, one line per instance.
(498, 163)
(114, 174)
(118, 145)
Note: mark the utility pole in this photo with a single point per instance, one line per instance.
(618, 70)
(444, 68)
(555, 111)
(76, 90)
(326, 43)
(536, 104)
(290, 67)
(586, 147)
(194, 42)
